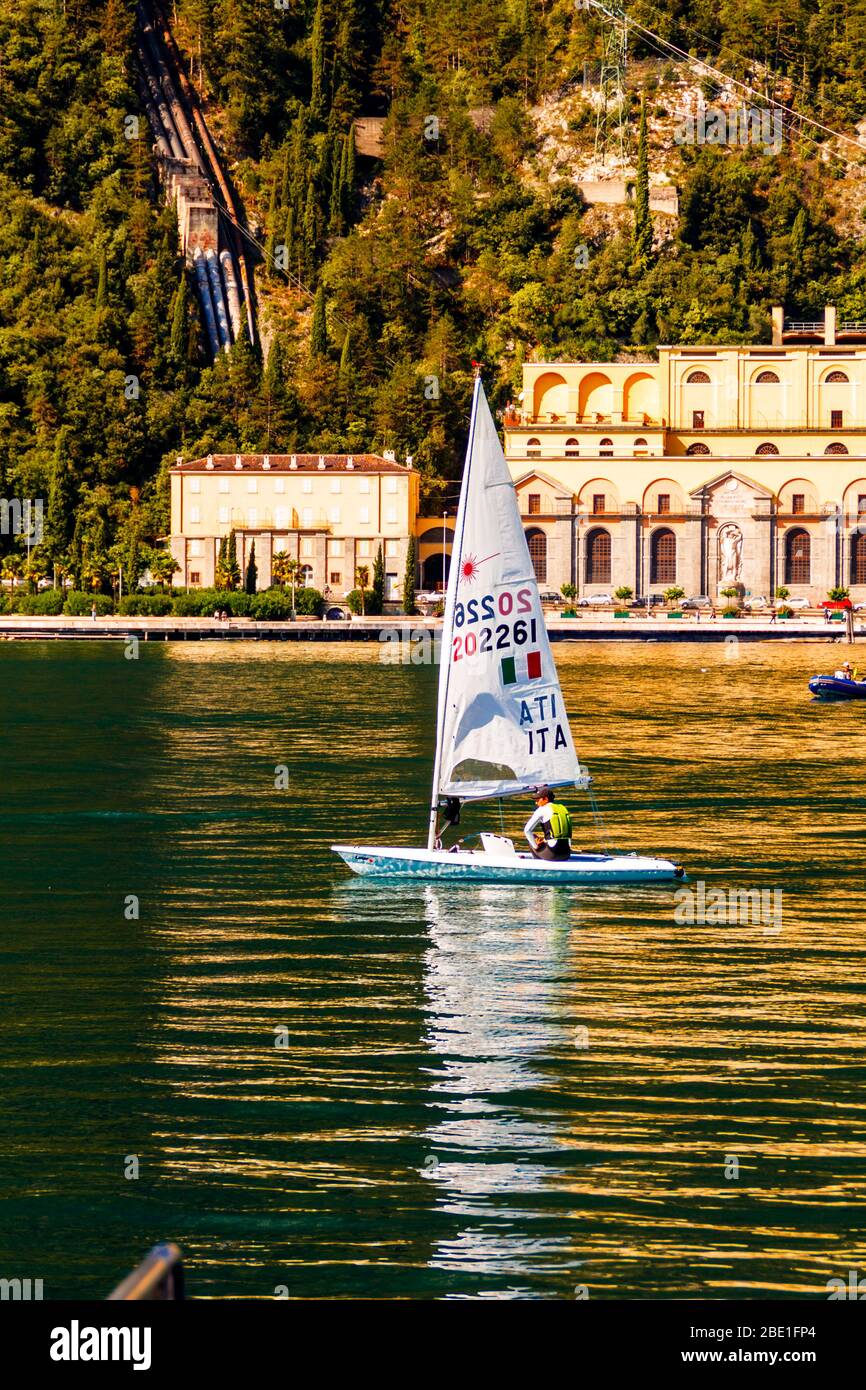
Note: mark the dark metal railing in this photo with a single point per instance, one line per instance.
(159, 1276)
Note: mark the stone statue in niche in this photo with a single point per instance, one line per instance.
(730, 554)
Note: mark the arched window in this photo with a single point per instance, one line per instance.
(597, 569)
(533, 448)
(766, 449)
(537, 542)
(663, 557)
(640, 444)
(798, 553)
(836, 449)
(766, 379)
(834, 378)
(572, 449)
(305, 574)
(605, 448)
(858, 557)
(697, 449)
(697, 379)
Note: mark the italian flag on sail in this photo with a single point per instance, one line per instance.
(508, 665)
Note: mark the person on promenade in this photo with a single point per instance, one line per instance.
(772, 614)
(551, 818)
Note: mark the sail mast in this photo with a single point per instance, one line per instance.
(448, 618)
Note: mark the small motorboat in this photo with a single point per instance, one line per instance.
(835, 688)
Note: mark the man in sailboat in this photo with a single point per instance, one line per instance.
(554, 822)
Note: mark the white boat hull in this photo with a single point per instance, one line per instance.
(377, 861)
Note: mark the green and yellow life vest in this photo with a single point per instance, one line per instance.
(560, 821)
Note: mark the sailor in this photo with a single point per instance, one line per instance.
(845, 673)
(554, 842)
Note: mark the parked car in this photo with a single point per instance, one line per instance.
(549, 596)
(697, 601)
(595, 601)
(794, 603)
(655, 601)
(755, 602)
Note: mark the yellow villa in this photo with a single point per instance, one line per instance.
(712, 468)
(330, 512)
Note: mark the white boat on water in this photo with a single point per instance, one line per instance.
(501, 728)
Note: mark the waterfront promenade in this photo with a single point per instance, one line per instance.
(592, 628)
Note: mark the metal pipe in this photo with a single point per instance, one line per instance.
(206, 301)
(213, 270)
(232, 295)
(168, 125)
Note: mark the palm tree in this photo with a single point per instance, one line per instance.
(285, 571)
(11, 569)
(362, 579)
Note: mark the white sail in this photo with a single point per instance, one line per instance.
(502, 726)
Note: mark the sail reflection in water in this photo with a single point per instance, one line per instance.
(497, 1009)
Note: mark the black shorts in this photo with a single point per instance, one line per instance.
(560, 849)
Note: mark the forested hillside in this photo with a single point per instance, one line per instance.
(376, 276)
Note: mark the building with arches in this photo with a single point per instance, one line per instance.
(712, 467)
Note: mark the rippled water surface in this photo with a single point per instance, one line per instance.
(484, 1092)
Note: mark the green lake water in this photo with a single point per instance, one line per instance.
(486, 1092)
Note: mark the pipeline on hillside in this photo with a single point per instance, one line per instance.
(212, 159)
(168, 97)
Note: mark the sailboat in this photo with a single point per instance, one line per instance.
(501, 729)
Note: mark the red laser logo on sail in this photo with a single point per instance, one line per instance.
(470, 566)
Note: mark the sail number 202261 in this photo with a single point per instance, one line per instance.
(493, 637)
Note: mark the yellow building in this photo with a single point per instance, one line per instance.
(711, 468)
(330, 512)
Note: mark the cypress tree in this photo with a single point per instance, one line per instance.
(289, 241)
(317, 92)
(349, 181)
(409, 578)
(378, 587)
(311, 239)
(642, 243)
(220, 573)
(271, 241)
(799, 232)
(284, 185)
(346, 355)
(232, 568)
(179, 314)
(335, 206)
(60, 513)
(319, 326)
(252, 573)
(102, 284)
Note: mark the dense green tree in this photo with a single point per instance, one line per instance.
(378, 585)
(409, 578)
(251, 575)
(319, 327)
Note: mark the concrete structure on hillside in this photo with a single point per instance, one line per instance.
(330, 512)
(714, 467)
